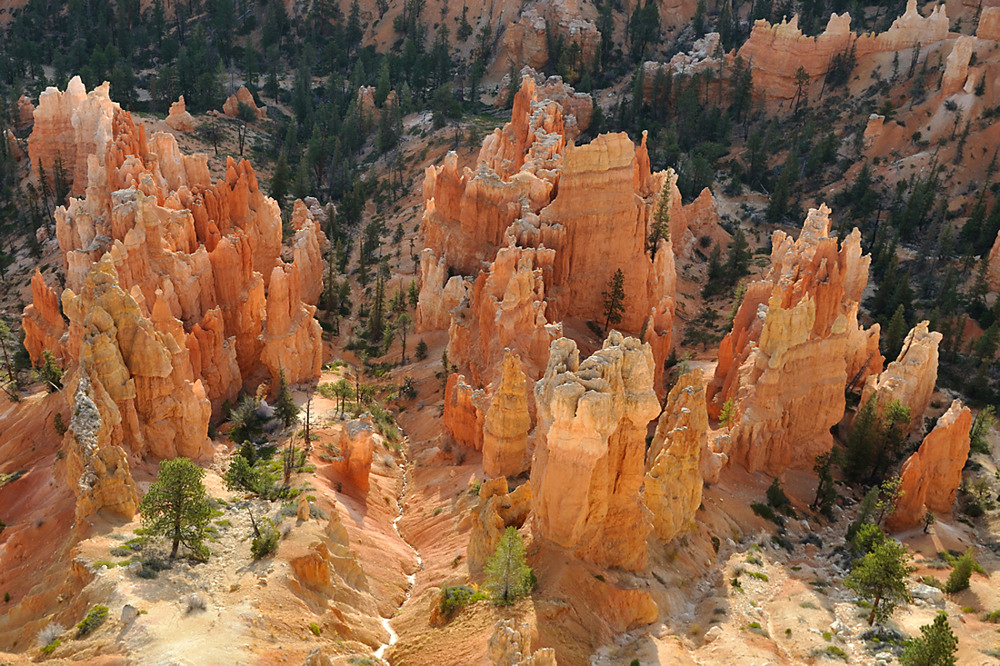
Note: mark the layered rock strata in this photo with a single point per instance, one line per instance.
(673, 485)
(588, 462)
(931, 476)
(496, 510)
(179, 118)
(911, 377)
(43, 322)
(507, 423)
(176, 295)
(794, 347)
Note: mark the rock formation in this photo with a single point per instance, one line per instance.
(176, 292)
(931, 476)
(910, 378)
(777, 51)
(510, 645)
(993, 271)
(578, 107)
(178, 118)
(96, 465)
(43, 322)
(464, 412)
(69, 127)
(496, 511)
(588, 463)
(357, 446)
(507, 423)
(527, 256)
(794, 347)
(527, 40)
(231, 107)
(989, 24)
(674, 479)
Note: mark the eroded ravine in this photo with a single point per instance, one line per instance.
(411, 578)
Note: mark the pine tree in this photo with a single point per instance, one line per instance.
(738, 258)
(826, 492)
(936, 646)
(895, 333)
(880, 578)
(508, 576)
(284, 403)
(958, 580)
(176, 506)
(614, 299)
(279, 181)
(660, 229)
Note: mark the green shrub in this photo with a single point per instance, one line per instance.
(758, 575)
(51, 647)
(455, 597)
(958, 580)
(266, 542)
(936, 646)
(835, 652)
(315, 628)
(95, 618)
(992, 618)
(766, 512)
(777, 498)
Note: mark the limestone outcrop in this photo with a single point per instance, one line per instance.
(931, 476)
(176, 293)
(96, 465)
(507, 423)
(231, 107)
(777, 51)
(794, 347)
(464, 412)
(179, 118)
(42, 321)
(578, 107)
(504, 310)
(672, 489)
(69, 127)
(527, 40)
(357, 446)
(911, 377)
(143, 363)
(588, 463)
(510, 645)
(508, 252)
(497, 510)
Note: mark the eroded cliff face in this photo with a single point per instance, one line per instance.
(96, 464)
(673, 484)
(931, 476)
(911, 377)
(42, 321)
(497, 510)
(588, 461)
(176, 293)
(794, 347)
(777, 51)
(69, 127)
(527, 40)
(507, 423)
(508, 257)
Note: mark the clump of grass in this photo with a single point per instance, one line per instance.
(835, 652)
(755, 560)
(315, 628)
(758, 629)
(758, 575)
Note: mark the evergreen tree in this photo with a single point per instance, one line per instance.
(660, 229)
(176, 506)
(614, 299)
(895, 333)
(880, 578)
(936, 646)
(738, 258)
(508, 576)
(958, 579)
(284, 403)
(279, 181)
(826, 492)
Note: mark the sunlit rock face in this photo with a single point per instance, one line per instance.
(588, 465)
(794, 347)
(931, 476)
(176, 293)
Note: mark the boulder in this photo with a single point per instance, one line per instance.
(178, 118)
